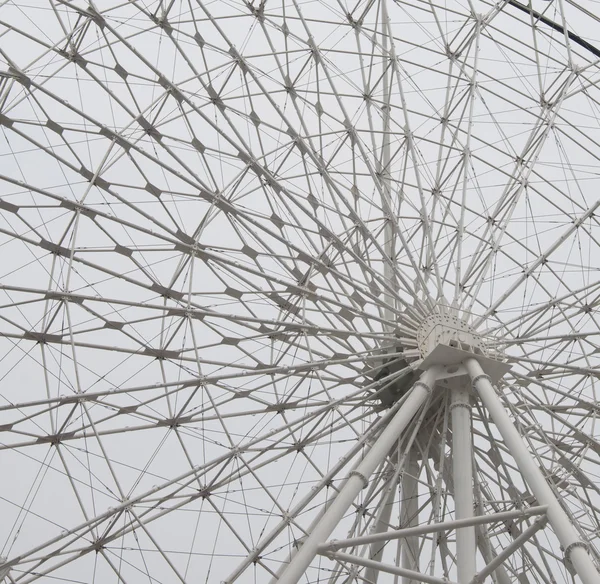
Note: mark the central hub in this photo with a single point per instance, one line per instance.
(445, 340)
(447, 329)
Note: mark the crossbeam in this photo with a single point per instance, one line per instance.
(510, 550)
(396, 570)
(431, 528)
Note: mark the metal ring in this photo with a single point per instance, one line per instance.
(575, 544)
(424, 385)
(360, 475)
(459, 405)
(479, 377)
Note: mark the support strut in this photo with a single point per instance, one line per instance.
(359, 478)
(462, 463)
(575, 548)
(382, 525)
(410, 515)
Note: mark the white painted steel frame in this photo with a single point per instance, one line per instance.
(462, 467)
(409, 514)
(575, 549)
(336, 544)
(509, 550)
(359, 478)
(214, 220)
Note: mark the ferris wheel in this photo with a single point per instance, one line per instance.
(299, 291)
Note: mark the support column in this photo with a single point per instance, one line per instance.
(359, 478)
(575, 549)
(462, 467)
(486, 548)
(409, 516)
(383, 524)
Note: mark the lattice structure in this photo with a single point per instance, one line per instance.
(299, 291)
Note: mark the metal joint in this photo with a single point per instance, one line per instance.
(423, 385)
(361, 476)
(573, 545)
(460, 405)
(480, 377)
(297, 543)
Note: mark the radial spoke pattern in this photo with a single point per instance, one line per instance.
(216, 218)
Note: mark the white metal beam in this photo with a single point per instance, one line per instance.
(409, 516)
(409, 574)
(382, 525)
(574, 548)
(359, 478)
(509, 550)
(432, 528)
(462, 463)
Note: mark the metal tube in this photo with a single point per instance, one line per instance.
(483, 538)
(575, 548)
(462, 463)
(3, 569)
(386, 192)
(416, 576)
(336, 544)
(299, 541)
(383, 523)
(509, 550)
(410, 515)
(359, 478)
(384, 513)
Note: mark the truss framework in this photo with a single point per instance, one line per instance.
(222, 227)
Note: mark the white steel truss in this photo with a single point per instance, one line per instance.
(299, 291)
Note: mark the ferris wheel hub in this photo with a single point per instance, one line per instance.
(444, 326)
(445, 339)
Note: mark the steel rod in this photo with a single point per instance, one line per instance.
(462, 466)
(416, 576)
(575, 548)
(359, 478)
(432, 528)
(383, 523)
(509, 550)
(484, 543)
(410, 514)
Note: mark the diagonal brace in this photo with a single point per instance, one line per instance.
(336, 544)
(359, 478)
(509, 550)
(567, 534)
(390, 569)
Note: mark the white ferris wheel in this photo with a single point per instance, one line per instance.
(299, 291)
